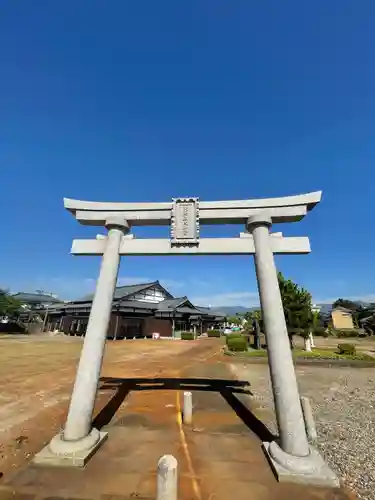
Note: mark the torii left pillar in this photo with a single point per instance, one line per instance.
(79, 440)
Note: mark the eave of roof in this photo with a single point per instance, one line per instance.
(35, 297)
(124, 291)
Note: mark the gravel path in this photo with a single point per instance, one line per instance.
(343, 402)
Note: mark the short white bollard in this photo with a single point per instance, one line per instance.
(188, 408)
(309, 419)
(167, 478)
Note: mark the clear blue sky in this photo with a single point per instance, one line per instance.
(148, 100)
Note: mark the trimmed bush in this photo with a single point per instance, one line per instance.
(237, 344)
(213, 333)
(187, 336)
(348, 349)
(346, 333)
(233, 336)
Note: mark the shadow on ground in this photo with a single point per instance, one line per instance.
(228, 389)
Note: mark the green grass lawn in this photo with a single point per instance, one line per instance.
(314, 354)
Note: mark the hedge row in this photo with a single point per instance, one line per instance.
(187, 336)
(321, 331)
(347, 333)
(213, 333)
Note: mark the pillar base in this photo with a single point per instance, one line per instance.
(310, 470)
(61, 453)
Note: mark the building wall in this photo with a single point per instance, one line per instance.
(65, 324)
(120, 327)
(342, 320)
(154, 325)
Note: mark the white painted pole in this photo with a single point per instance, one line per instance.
(188, 408)
(78, 424)
(293, 438)
(309, 418)
(307, 344)
(167, 478)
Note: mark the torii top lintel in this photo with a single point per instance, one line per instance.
(284, 209)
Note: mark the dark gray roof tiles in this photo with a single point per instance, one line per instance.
(170, 304)
(35, 298)
(126, 290)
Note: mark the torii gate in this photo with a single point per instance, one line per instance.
(292, 458)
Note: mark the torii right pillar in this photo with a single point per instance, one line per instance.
(292, 458)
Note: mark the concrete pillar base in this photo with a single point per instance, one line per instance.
(310, 470)
(61, 453)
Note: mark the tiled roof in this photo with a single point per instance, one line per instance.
(124, 291)
(35, 298)
(171, 304)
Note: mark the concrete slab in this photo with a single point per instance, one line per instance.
(76, 459)
(320, 475)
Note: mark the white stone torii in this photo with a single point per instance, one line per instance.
(291, 457)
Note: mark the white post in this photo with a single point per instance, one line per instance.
(167, 478)
(293, 439)
(309, 418)
(78, 424)
(188, 408)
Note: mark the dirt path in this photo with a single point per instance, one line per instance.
(37, 377)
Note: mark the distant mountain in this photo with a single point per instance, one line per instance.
(231, 310)
(325, 308)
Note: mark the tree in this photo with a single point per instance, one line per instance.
(235, 320)
(256, 317)
(368, 315)
(346, 304)
(252, 315)
(297, 307)
(9, 306)
(254, 321)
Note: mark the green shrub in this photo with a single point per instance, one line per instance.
(348, 349)
(345, 333)
(213, 333)
(187, 336)
(237, 344)
(233, 336)
(320, 331)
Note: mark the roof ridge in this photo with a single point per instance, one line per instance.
(138, 284)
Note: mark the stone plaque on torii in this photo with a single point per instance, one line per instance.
(291, 457)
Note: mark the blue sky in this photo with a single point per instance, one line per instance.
(145, 101)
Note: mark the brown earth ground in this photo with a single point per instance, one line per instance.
(219, 457)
